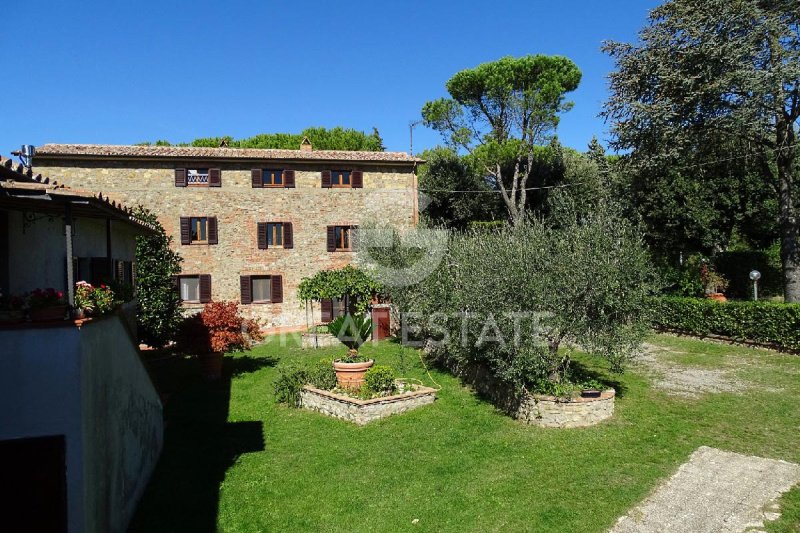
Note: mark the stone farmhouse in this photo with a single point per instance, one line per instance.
(250, 223)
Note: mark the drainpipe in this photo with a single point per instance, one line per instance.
(70, 273)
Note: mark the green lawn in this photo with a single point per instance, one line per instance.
(236, 461)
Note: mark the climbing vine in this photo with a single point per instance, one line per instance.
(348, 281)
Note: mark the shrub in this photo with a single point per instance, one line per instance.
(380, 379)
(507, 299)
(771, 323)
(218, 328)
(288, 384)
(159, 304)
(322, 375)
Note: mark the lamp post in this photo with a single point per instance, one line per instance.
(755, 275)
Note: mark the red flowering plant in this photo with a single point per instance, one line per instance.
(41, 298)
(227, 330)
(95, 300)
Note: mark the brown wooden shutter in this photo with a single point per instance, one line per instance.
(277, 289)
(257, 178)
(288, 179)
(288, 238)
(261, 230)
(246, 289)
(331, 238)
(186, 232)
(213, 237)
(205, 288)
(357, 179)
(214, 177)
(327, 310)
(326, 179)
(180, 177)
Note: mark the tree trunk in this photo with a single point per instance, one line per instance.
(790, 253)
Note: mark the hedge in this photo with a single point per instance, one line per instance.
(768, 323)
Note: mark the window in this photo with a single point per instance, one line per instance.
(261, 289)
(272, 178)
(340, 238)
(340, 178)
(195, 288)
(262, 286)
(197, 177)
(274, 234)
(198, 227)
(190, 288)
(199, 230)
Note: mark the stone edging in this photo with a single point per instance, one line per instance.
(550, 411)
(363, 411)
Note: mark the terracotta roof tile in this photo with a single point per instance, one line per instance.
(179, 152)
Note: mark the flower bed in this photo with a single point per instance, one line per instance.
(553, 412)
(361, 412)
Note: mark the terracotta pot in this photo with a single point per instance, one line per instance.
(77, 314)
(211, 365)
(351, 375)
(717, 296)
(54, 312)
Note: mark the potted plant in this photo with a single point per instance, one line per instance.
(46, 304)
(84, 303)
(714, 283)
(352, 331)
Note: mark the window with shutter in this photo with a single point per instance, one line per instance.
(197, 177)
(274, 234)
(331, 238)
(180, 177)
(205, 288)
(247, 293)
(189, 288)
(276, 283)
(272, 177)
(326, 179)
(288, 236)
(214, 177)
(288, 179)
(261, 230)
(186, 231)
(357, 179)
(327, 310)
(213, 237)
(256, 177)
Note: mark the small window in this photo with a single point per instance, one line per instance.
(197, 177)
(342, 237)
(274, 234)
(340, 178)
(272, 178)
(262, 289)
(198, 227)
(190, 288)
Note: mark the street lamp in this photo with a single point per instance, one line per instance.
(755, 275)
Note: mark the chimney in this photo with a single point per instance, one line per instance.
(305, 146)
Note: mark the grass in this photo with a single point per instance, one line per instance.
(236, 461)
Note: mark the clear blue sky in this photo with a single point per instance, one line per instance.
(120, 73)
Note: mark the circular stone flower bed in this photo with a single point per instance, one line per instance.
(554, 412)
(338, 404)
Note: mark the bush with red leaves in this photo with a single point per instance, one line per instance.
(218, 328)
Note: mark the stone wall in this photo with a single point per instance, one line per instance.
(552, 412)
(364, 411)
(388, 196)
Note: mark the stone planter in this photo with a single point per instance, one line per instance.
(363, 411)
(351, 375)
(54, 312)
(318, 340)
(553, 412)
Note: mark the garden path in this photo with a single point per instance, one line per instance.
(715, 491)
